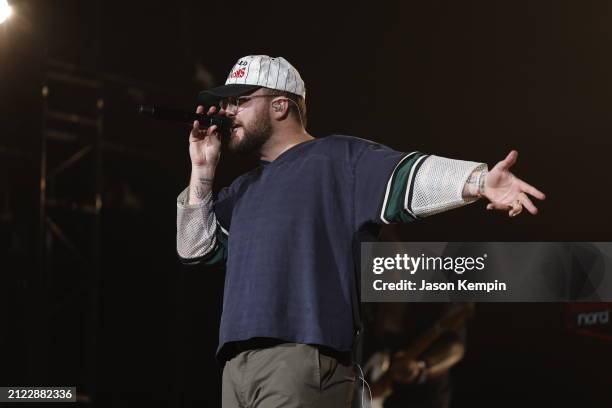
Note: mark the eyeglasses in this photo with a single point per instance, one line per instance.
(232, 103)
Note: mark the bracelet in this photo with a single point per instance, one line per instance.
(481, 182)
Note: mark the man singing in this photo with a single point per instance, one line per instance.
(288, 232)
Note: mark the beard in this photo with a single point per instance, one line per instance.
(255, 135)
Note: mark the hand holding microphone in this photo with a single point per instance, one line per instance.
(204, 143)
(204, 150)
(204, 139)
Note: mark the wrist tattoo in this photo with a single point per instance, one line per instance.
(202, 188)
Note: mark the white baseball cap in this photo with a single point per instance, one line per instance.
(253, 72)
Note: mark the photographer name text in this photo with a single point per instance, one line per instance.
(423, 285)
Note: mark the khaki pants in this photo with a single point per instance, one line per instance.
(288, 375)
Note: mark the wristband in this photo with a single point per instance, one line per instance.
(481, 182)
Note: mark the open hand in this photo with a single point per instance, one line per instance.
(507, 192)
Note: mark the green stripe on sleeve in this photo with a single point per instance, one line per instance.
(219, 254)
(394, 211)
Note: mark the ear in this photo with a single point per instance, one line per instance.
(280, 108)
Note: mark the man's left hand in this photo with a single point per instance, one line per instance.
(507, 192)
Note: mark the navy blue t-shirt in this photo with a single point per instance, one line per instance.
(290, 228)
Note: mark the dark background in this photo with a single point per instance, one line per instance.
(468, 79)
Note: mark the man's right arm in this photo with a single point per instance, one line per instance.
(196, 223)
(197, 238)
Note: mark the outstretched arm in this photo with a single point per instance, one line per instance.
(416, 185)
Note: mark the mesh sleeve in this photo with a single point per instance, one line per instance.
(196, 227)
(439, 183)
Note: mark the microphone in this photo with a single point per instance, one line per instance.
(175, 115)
